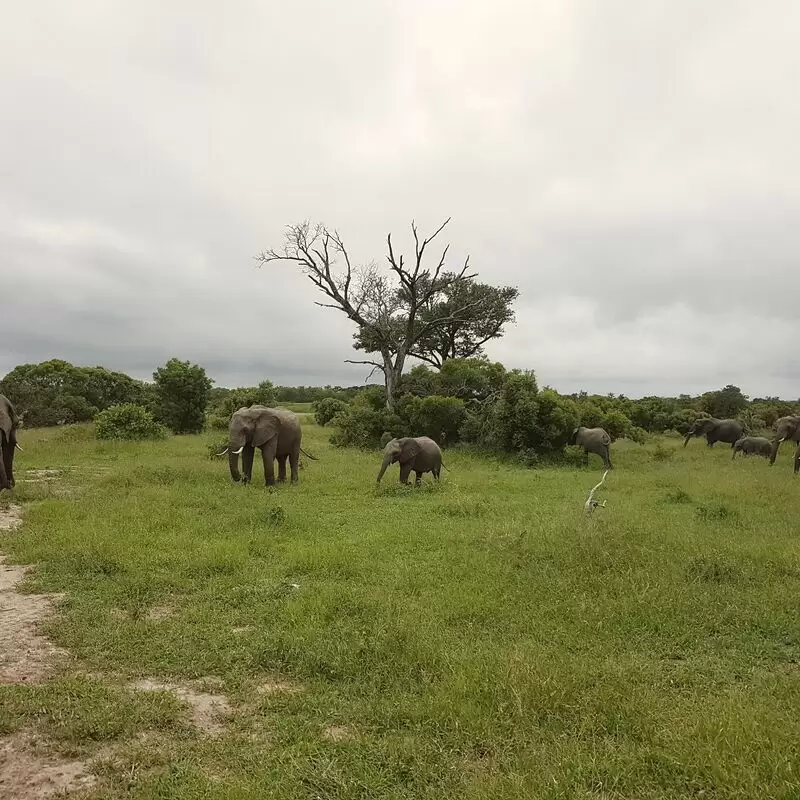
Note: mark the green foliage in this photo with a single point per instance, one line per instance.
(182, 394)
(56, 392)
(229, 400)
(359, 426)
(327, 408)
(726, 403)
(434, 416)
(128, 421)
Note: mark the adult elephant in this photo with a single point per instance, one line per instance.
(275, 431)
(715, 430)
(752, 445)
(9, 423)
(787, 429)
(415, 453)
(593, 440)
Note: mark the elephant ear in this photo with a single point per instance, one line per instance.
(409, 448)
(7, 417)
(265, 426)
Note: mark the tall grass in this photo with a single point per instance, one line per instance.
(480, 638)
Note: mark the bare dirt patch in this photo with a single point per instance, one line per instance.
(277, 686)
(161, 612)
(25, 655)
(10, 517)
(28, 771)
(39, 475)
(208, 710)
(243, 629)
(338, 733)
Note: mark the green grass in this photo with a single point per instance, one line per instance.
(479, 639)
(298, 408)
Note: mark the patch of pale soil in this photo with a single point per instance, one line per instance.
(160, 612)
(338, 733)
(208, 711)
(40, 475)
(243, 629)
(28, 772)
(278, 687)
(25, 656)
(10, 517)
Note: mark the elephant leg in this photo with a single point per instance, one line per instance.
(282, 468)
(797, 459)
(417, 477)
(607, 458)
(4, 482)
(268, 456)
(294, 460)
(247, 463)
(405, 471)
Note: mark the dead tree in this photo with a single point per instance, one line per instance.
(386, 305)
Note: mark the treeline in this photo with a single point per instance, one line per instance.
(481, 402)
(470, 400)
(181, 395)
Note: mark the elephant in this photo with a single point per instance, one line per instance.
(787, 428)
(417, 453)
(276, 431)
(593, 440)
(716, 430)
(752, 445)
(9, 423)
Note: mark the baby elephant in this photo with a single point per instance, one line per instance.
(417, 453)
(753, 445)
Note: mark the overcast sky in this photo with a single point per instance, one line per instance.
(631, 166)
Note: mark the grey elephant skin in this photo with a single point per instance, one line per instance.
(414, 453)
(593, 440)
(275, 431)
(787, 429)
(9, 423)
(752, 446)
(715, 430)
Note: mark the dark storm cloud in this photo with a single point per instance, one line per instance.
(631, 167)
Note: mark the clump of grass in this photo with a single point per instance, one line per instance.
(711, 570)
(714, 512)
(661, 453)
(276, 516)
(678, 495)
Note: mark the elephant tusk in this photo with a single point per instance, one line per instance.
(236, 452)
(18, 447)
(223, 452)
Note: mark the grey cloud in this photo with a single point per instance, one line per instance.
(629, 166)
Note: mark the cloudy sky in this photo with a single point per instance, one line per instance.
(631, 166)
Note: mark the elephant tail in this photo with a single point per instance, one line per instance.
(445, 466)
(308, 455)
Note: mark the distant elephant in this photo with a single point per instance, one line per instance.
(593, 440)
(752, 445)
(9, 423)
(418, 453)
(276, 431)
(728, 431)
(787, 428)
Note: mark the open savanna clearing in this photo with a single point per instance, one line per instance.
(481, 638)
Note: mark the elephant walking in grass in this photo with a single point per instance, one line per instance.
(715, 430)
(415, 453)
(9, 423)
(593, 440)
(275, 431)
(787, 429)
(752, 445)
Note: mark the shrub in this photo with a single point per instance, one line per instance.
(434, 416)
(327, 408)
(128, 421)
(638, 435)
(182, 393)
(359, 427)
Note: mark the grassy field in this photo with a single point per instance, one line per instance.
(477, 639)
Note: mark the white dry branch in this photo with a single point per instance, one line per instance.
(591, 504)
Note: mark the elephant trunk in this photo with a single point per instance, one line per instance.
(686, 439)
(387, 459)
(233, 462)
(776, 443)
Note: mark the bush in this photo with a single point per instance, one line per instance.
(327, 408)
(128, 421)
(638, 435)
(359, 427)
(434, 416)
(182, 394)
